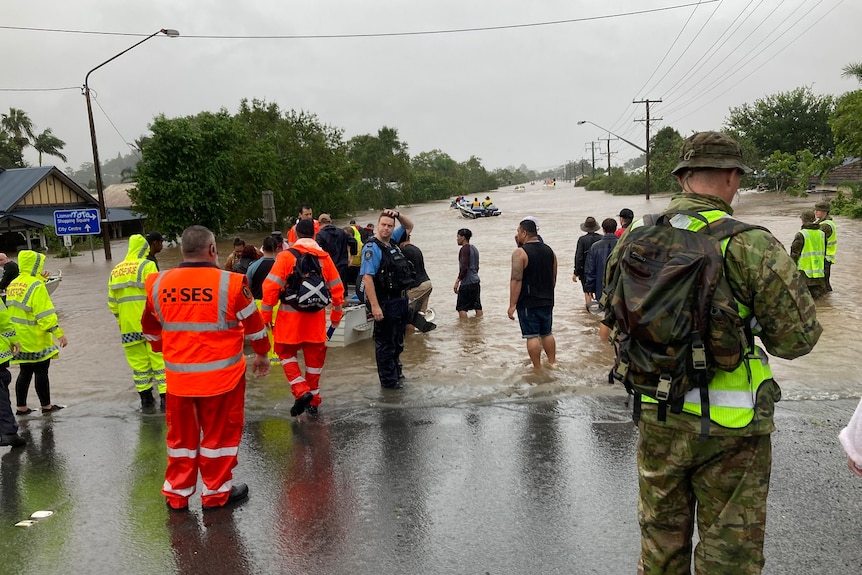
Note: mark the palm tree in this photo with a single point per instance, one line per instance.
(851, 70)
(49, 144)
(18, 126)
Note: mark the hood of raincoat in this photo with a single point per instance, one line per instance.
(138, 248)
(31, 263)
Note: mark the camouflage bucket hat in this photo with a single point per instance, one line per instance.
(807, 216)
(710, 150)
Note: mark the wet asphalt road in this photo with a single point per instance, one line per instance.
(544, 486)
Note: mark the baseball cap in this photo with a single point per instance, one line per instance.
(324, 219)
(807, 216)
(822, 206)
(534, 220)
(627, 214)
(155, 237)
(710, 150)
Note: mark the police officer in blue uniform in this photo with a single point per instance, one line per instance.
(386, 275)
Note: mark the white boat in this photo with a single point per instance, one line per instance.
(473, 213)
(520, 188)
(356, 324)
(52, 282)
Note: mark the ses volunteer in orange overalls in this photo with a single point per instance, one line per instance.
(197, 315)
(294, 329)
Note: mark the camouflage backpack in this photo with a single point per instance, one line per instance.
(672, 315)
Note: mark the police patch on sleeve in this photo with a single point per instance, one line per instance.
(368, 255)
(246, 292)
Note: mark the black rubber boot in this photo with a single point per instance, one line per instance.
(148, 402)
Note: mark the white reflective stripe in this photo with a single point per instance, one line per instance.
(247, 311)
(150, 337)
(298, 380)
(337, 308)
(313, 369)
(45, 313)
(265, 307)
(257, 335)
(128, 284)
(723, 398)
(220, 452)
(226, 486)
(129, 298)
(201, 367)
(181, 492)
(276, 279)
(333, 282)
(287, 309)
(182, 452)
(315, 392)
(291, 359)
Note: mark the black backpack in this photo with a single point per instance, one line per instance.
(305, 288)
(673, 317)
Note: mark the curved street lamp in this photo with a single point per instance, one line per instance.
(103, 212)
(646, 152)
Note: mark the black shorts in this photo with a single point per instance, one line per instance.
(468, 297)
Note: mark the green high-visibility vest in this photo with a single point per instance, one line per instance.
(812, 261)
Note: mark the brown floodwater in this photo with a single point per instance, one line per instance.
(479, 360)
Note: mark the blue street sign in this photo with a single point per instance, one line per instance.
(77, 222)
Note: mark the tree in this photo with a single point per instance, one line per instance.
(664, 155)
(19, 127)
(785, 122)
(10, 154)
(436, 176)
(49, 144)
(383, 165)
(846, 124)
(854, 70)
(187, 172)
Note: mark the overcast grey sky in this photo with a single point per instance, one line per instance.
(509, 96)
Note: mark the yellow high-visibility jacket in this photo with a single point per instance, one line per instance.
(32, 311)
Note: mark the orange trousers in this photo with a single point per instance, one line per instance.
(314, 355)
(203, 436)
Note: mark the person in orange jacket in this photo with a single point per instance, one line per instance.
(305, 213)
(295, 329)
(197, 315)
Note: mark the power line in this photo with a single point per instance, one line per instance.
(772, 57)
(704, 59)
(112, 122)
(736, 67)
(685, 50)
(379, 34)
(38, 89)
(666, 54)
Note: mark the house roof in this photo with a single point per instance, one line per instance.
(16, 183)
(117, 195)
(849, 172)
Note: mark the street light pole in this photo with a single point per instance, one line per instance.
(103, 212)
(581, 122)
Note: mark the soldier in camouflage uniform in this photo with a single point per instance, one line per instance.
(722, 480)
(827, 225)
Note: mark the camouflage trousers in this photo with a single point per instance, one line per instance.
(722, 482)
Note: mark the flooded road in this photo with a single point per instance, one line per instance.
(480, 360)
(480, 465)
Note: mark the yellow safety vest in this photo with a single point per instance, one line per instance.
(812, 261)
(831, 241)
